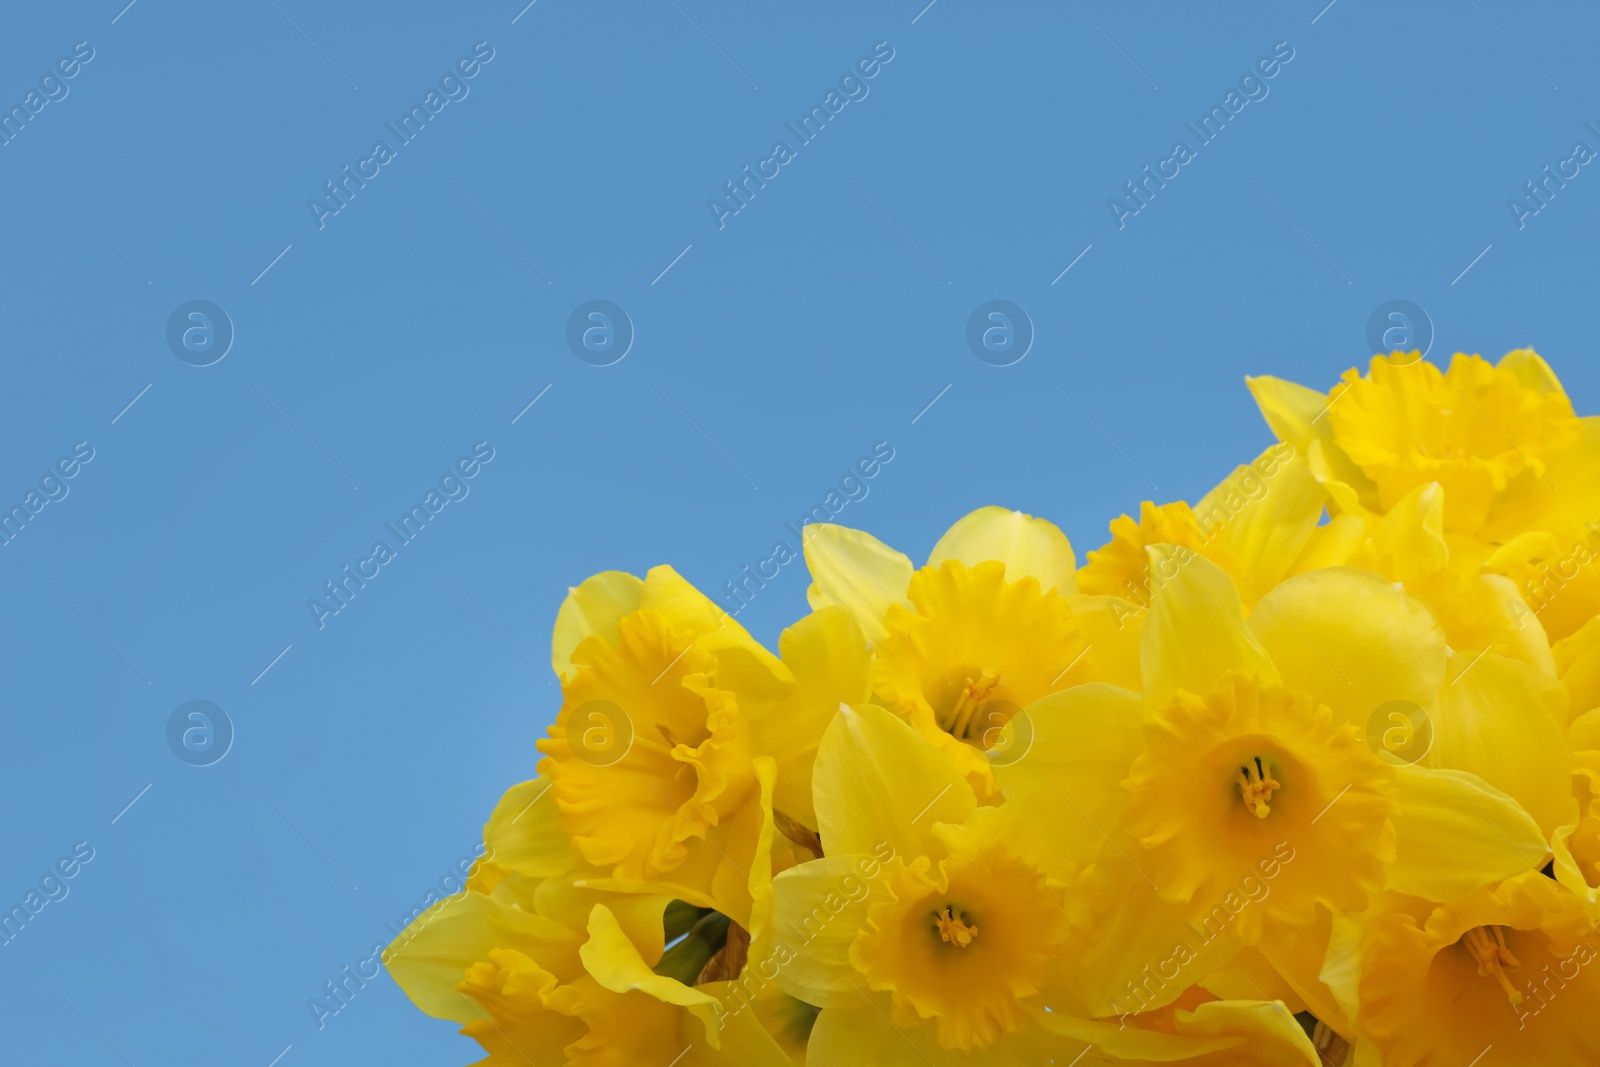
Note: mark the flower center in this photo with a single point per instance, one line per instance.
(1256, 787)
(1487, 944)
(952, 930)
(973, 696)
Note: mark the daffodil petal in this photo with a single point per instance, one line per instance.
(1029, 547)
(1577, 658)
(1299, 416)
(819, 909)
(1266, 532)
(1531, 370)
(1265, 1030)
(1066, 784)
(828, 657)
(613, 961)
(1455, 833)
(878, 783)
(1195, 631)
(1352, 639)
(858, 572)
(674, 597)
(594, 607)
(524, 834)
(432, 955)
(1563, 495)
(1492, 722)
(744, 1040)
(1132, 932)
(864, 1036)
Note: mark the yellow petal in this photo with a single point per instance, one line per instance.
(1333, 543)
(524, 835)
(1565, 495)
(1455, 833)
(434, 952)
(1531, 370)
(858, 572)
(820, 908)
(1577, 660)
(613, 961)
(1264, 1032)
(691, 611)
(1029, 547)
(1299, 416)
(1111, 626)
(745, 1042)
(1270, 509)
(1066, 784)
(1491, 722)
(828, 657)
(1131, 933)
(1195, 631)
(1353, 640)
(594, 607)
(1410, 538)
(864, 1036)
(878, 782)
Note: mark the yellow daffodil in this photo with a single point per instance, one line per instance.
(1199, 1030)
(1307, 773)
(1259, 524)
(931, 932)
(1577, 847)
(1236, 797)
(1475, 486)
(681, 741)
(991, 623)
(542, 970)
(1509, 967)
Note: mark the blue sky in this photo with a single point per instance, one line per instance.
(353, 351)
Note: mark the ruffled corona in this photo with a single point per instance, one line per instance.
(1251, 771)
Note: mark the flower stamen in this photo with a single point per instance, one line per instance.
(973, 696)
(1256, 789)
(953, 931)
(1493, 957)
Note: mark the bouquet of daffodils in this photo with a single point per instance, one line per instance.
(1305, 773)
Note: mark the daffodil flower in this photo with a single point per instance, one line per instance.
(681, 742)
(1235, 799)
(1511, 966)
(1259, 524)
(1478, 487)
(544, 970)
(932, 931)
(993, 622)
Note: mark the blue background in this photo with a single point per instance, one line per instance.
(821, 319)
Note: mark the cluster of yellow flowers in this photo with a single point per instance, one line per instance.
(1307, 773)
